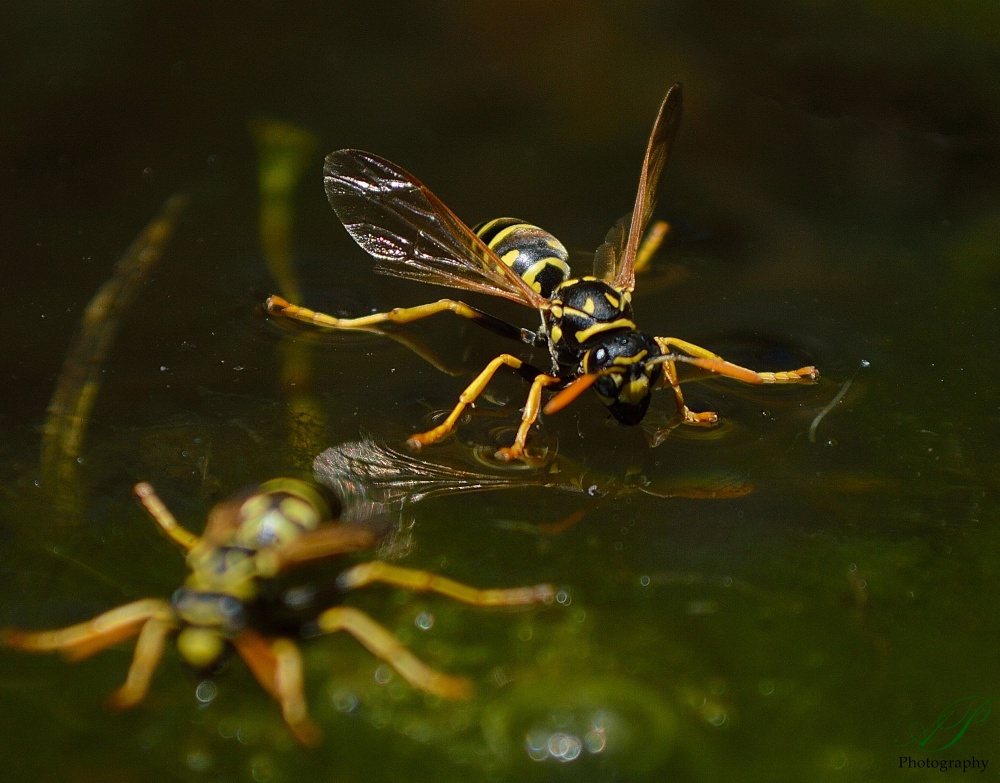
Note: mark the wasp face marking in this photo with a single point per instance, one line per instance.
(628, 380)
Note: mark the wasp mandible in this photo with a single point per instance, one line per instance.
(248, 539)
(587, 322)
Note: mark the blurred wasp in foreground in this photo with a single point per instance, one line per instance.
(587, 324)
(249, 539)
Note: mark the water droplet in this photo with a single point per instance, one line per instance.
(565, 747)
(535, 744)
(716, 716)
(344, 700)
(595, 740)
(228, 728)
(206, 691)
(262, 769)
(198, 760)
(424, 621)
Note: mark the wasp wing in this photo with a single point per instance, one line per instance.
(378, 474)
(614, 261)
(410, 231)
(608, 255)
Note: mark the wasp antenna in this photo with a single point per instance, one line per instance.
(162, 516)
(663, 359)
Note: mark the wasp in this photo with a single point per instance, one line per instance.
(250, 539)
(587, 323)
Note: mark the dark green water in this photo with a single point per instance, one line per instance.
(834, 191)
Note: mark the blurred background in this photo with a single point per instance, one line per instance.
(833, 197)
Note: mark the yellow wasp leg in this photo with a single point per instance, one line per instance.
(384, 645)
(148, 652)
(712, 362)
(721, 367)
(277, 667)
(424, 581)
(162, 516)
(529, 417)
(688, 416)
(152, 619)
(290, 687)
(472, 391)
(398, 315)
(650, 244)
(326, 541)
(84, 639)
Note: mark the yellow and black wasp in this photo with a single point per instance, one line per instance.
(587, 323)
(249, 540)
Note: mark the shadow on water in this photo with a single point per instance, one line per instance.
(833, 195)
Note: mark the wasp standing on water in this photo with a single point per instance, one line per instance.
(587, 323)
(249, 539)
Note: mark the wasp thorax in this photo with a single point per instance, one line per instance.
(584, 314)
(627, 379)
(534, 254)
(224, 569)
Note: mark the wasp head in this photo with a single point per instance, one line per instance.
(627, 378)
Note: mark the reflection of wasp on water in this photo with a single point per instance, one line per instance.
(248, 540)
(587, 323)
(389, 480)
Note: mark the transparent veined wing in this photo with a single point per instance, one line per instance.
(410, 231)
(366, 470)
(614, 261)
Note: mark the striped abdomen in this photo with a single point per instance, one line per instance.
(534, 254)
